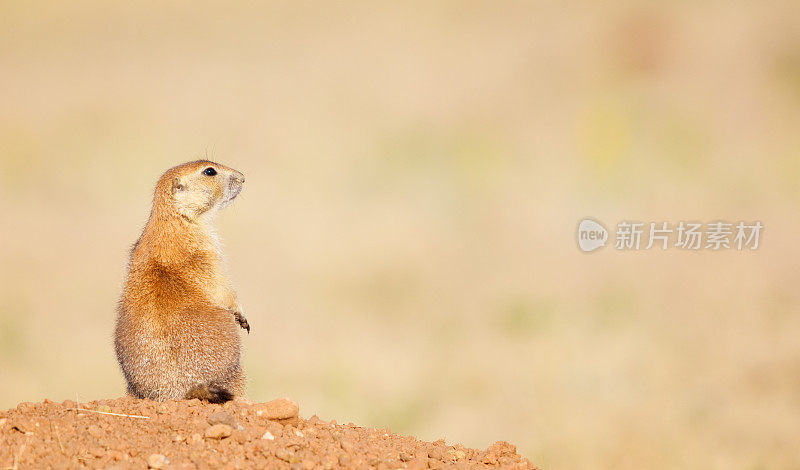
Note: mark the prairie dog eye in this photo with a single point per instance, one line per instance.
(209, 171)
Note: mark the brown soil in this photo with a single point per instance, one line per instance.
(131, 433)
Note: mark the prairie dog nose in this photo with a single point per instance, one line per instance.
(237, 176)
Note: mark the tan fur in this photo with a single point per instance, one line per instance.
(177, 334)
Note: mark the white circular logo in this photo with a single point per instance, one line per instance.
(591, 235)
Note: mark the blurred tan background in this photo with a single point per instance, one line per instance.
(405, 245)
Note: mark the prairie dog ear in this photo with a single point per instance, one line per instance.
(176, 185)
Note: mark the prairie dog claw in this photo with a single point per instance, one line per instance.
(242, 321)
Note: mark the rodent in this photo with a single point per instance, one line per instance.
(177, 330)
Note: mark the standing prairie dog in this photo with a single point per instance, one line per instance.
(177, 327)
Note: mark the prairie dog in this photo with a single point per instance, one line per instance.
(177, 326)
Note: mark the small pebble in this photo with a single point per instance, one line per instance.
(283, 454)
(219, 431)
(95, 431)
(222, 417)
(242, 401)
(281, 408)
(347, 445)
(239, 436)
(417, 464)
(268, 436)
(157, 461)
(433, 463)
(329, 461)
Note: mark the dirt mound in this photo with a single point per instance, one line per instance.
(130, 433)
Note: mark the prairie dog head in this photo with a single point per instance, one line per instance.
(200, 188)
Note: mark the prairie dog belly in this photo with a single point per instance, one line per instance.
(168, 357)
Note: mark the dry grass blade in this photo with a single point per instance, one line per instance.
(58, 436)
(109, 413)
